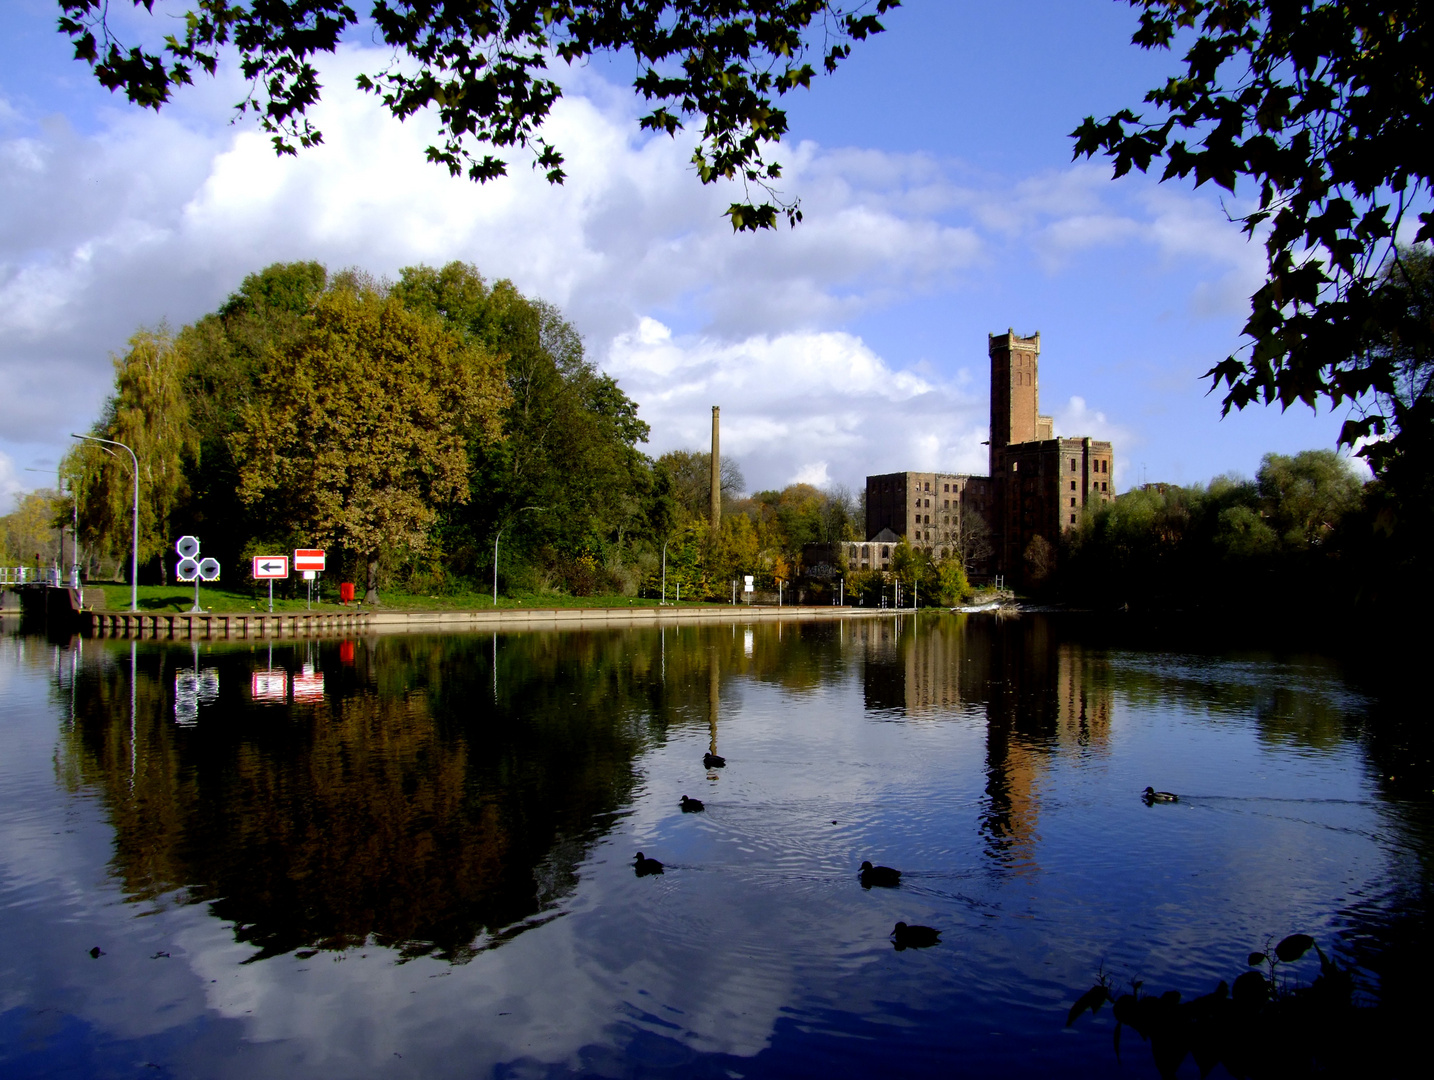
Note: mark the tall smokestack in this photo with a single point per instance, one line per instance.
(716, 470)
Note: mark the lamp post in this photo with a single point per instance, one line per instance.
(495, 546)
(134, 554)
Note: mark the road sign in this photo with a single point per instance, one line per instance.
(187, 570)
(308, 558)
(271, 566)
(209, 569)
(309, 575)
(187, 547)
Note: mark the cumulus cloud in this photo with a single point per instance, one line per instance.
(140, 218)
(818, 407)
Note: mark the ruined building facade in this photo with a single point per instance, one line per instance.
(1037, 487)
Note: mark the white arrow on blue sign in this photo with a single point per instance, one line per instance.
(271, 566)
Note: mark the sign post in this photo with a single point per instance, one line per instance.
(192, 568)
(310, 561)
(271, 567)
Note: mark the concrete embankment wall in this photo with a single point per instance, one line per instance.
(303, 624)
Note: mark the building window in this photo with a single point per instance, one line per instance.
(885, 552)
(1015, 465)
(1072, 500)
(1102, 486)
(1072, 485)
(1073, 464)
(1072, 519)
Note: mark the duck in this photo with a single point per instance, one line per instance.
(712, 761)
(914, 937)
(882, 876)
(645, 866)
(1152, 796)
(692, 806)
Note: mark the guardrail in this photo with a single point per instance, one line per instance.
(29, 575)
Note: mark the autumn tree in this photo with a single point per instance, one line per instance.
(357, 435)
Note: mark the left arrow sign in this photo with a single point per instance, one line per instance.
(271, 566)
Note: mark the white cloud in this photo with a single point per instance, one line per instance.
(822, 405)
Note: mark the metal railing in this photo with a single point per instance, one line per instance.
(29, 575)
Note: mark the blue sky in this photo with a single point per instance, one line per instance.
(941, 204)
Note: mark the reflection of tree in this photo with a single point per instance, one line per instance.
(421, 817)
(429, 803)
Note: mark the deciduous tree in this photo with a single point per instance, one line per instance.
(1316, 115)
(357, 437)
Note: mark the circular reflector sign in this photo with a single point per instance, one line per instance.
(187, 570)
(209, 569)
(188, 547)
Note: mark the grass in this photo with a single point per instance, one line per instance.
(166, 599)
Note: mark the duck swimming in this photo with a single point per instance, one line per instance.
(692, 806)
(881, 876)
(914, 937)
(712, 761)
(644, 866)
(1152, 796)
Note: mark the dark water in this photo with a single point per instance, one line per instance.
(411, 856)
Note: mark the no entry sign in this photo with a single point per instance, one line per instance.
(271, 566)
(309, 559)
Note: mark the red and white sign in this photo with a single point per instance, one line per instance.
(271, 566)
(308, 558)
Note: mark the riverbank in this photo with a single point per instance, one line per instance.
(357, 620)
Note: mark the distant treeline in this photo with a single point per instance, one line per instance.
(402, 426)
(1307, 533)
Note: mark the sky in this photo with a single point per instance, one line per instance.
(940, 200)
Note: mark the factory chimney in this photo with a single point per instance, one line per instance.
(716, 471)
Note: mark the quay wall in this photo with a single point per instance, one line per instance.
(305, 624)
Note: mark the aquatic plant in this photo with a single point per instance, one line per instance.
(1264, 1024)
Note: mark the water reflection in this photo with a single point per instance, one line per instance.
(389, 801)
(425, 800)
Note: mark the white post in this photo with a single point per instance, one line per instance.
(664, 571)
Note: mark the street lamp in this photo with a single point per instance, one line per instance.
(495, 547)
(134, 555)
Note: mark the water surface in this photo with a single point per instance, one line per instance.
(412, 855)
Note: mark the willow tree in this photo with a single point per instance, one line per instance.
(357, 437)
(148, 412)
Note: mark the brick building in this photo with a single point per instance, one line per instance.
(1038, 484)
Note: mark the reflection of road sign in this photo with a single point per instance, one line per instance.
(271, 566)
(188, 547)
(191, 690)
(187, 570)
(309, 684)
(308, 558)
(271, 686)
(209, 569)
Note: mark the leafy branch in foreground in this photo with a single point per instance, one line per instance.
(1323, 110)
(484, 66)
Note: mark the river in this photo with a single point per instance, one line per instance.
(412, 855)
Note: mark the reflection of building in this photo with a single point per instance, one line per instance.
(1038, 483)
(1041, 700)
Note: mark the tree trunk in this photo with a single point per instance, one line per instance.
(371, 596)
